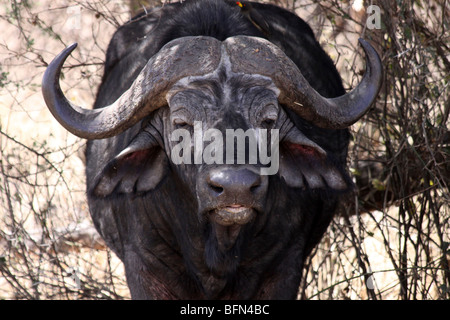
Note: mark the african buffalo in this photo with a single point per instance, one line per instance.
(215, 229)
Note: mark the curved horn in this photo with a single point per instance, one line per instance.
(189, 56)
(256, 55)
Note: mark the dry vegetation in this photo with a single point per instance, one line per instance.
(391, 240)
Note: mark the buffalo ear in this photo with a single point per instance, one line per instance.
(138, 168)
(304, 164)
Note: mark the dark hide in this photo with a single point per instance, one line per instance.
(147, 209)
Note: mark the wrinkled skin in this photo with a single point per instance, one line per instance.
(185, 231)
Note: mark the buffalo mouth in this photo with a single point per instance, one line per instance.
(234, 214)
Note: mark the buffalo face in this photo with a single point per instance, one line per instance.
(223, 168)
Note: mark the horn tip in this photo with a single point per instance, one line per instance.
(73, 45)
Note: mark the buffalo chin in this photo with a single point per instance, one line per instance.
(227, 222)
(225, 235)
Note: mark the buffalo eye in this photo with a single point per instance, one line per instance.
(181, 123)
(181, 119)
(268, 116)
(268, 122)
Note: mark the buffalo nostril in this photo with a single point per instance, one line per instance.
(255, 186)
(216, 189)
(215, 185)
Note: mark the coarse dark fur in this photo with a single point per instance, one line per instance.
(168, 251)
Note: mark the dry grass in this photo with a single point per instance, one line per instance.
(391, 240)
